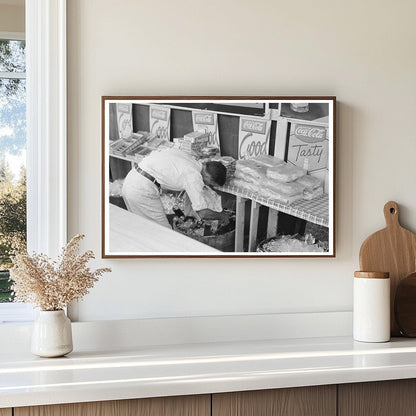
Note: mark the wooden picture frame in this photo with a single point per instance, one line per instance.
(279, 205)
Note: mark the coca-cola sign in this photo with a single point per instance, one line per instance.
(253, 138)
(310, 134)
(124, 120)
(253, 126)
(159, 121)
(123, 108)
(308, 147)
(159, 114)
(204, 118)
(207, 122)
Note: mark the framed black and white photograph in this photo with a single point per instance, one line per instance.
(218, 176)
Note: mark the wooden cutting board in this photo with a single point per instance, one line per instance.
(393, 250)
(405, 306)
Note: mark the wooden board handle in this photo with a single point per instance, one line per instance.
(391, 214)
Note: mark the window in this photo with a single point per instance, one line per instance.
(12, 155)
(45, 133)
(12, 166)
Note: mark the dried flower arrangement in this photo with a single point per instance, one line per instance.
(53, 285)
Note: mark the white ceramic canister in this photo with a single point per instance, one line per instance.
(371, 310)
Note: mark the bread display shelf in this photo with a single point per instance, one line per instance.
(315, 210)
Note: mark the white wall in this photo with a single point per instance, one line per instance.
(361, 51)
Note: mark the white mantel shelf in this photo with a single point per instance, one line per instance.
(151, 371)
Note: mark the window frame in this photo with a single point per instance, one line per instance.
(14, 312)
(46, 137)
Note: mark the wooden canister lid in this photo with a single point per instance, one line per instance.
(372, 275)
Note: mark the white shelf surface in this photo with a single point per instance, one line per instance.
(166, 370)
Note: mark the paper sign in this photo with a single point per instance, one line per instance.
(308, 147)
(160, 121)
(253, 137)
(207, 122)
(124, 120)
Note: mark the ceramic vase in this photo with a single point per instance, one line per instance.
(52, 334)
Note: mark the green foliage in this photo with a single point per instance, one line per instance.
(6, 294)
(12, 213)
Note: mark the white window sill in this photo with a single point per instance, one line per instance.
(16, 313)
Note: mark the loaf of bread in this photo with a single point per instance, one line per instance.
(275, 195)
(288, 188)
(250, 167)
(196, 137)
(313, 193)
(268, 161)
(285, 173)
(246, 177)
(309, 182)
(240, 183)
(293, 193)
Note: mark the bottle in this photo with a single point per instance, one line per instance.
(371, 309)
